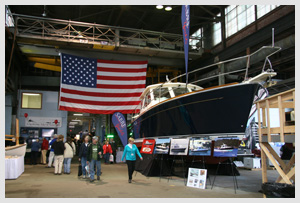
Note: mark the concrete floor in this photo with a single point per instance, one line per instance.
(39, 182)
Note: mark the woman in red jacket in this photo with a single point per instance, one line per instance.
(107, 151)
(45, 147)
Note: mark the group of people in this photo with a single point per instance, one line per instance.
(90, 154)
(61, 153)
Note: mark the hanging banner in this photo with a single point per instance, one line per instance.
(197, 178)
(119, 122)
(185, 21)
(148, 146)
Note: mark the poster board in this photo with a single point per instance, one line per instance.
(226, 147)
(200, 146)
(162, 146)
(148, 146)
(197, 178)
(179, 146)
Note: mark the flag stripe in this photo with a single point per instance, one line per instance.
(123, 62)
(99, 94)
(113, 98)
(97, 107)
(124, 66)
(122, 70)
(65, 108)
(120, 86)
(117, 82)
(99, 90)
(121, 74)
(102, 103)
(100, 77)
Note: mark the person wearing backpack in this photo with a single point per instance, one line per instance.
(70, 151)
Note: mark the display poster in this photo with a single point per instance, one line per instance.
(148, 146)
(119, 122)
(200, 146)
(226, 147)
(43, 122)
(197, 178)
(179, 146)
(162, 146)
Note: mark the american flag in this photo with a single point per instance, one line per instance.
(100, 86)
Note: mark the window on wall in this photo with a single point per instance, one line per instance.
(237, 17)
(217, 33)
(198, 36)
(31, 100)
(264, 9)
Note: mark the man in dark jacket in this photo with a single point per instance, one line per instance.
(35, 147)
(95, 152)
(83, 154)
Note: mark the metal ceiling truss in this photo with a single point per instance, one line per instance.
(96, 34)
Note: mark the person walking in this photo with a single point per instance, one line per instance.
(114, 148)
(130, 151)
(70, 151)
(94, 158)
(51, 154)
(107, 151)
(83, 150)
(45, 147)
(59, 149)
(35, 147)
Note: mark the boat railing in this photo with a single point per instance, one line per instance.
(244, 61)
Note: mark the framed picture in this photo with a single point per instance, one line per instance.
(226, 147)
(179, 146)
(162, 146)
(200, 146)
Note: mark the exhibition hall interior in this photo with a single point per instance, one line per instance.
(149, 101)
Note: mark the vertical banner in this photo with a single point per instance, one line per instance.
(119, 122)
(148, 146)
(185, 21)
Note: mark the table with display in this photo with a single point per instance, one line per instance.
(14, 166)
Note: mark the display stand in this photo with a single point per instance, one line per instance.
(184, 179)
(233, 174)
(203, 165)
(161, 166)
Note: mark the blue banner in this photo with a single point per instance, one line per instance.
(119, 122)
(185, 21)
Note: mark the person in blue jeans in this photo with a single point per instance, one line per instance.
(51, 154)
(130, 151)
(83, 150)
(70, 151)
(95, 152)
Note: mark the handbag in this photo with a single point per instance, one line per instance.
(111, 158)
(79, 170)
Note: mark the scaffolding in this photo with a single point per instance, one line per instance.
(284, 133)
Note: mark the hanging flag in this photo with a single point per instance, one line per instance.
(185, 21)
(99, 86)
(119, 122)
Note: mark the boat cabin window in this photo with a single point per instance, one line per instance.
(161, 94)
(147, 100)
(179, 91)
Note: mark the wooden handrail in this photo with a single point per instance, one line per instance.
(9, 136)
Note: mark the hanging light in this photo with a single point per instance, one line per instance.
(168, 8)
(159, 6)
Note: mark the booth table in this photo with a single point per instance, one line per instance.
(14, 166)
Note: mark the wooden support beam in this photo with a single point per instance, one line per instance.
(287, 168)
(264, 166)
(17, 131)
(275, 155)
(268, 121)
(264, 120)
(272, 159)
(281, 118)
(290, 174)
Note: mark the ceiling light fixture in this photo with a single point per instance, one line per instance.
(159, 7)
(168, 8)
(78, 114)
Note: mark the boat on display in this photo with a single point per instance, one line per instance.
(175, 109)
(17, 150)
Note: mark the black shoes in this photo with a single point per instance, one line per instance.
(92, 180)
(98, 177)
(129, 181)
